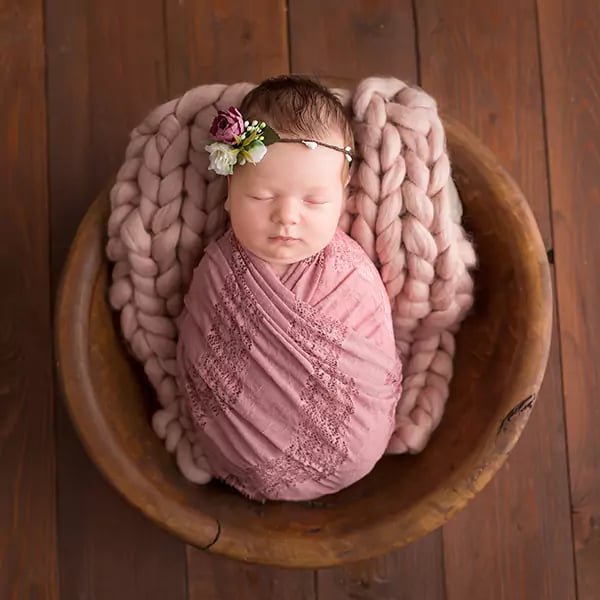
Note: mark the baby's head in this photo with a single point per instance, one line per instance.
(294, 191)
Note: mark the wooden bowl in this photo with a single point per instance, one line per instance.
(502, 350)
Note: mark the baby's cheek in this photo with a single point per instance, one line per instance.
(327, 228)
(336, 215)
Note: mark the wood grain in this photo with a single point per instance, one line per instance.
(365, 39)
(570, 51)
(28, 557)
(106, 70)
(413, 572)
(215, 578)
(215, 41)
(481, 63)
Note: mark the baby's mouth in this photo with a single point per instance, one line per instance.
(284, 240)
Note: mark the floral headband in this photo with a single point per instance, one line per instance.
(239, 142)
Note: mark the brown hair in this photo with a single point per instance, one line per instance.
(299, 106)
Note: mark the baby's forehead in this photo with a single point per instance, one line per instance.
(288, 179)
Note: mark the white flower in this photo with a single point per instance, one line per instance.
(311, 145)
(222, 158)
(257, 152)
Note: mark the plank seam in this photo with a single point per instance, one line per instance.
(416, 35)
(551, 258)
(166, 45)
(51, 307)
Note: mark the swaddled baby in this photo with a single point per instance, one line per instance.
(286, 351)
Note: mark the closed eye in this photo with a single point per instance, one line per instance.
(261, 197)
(312, 200)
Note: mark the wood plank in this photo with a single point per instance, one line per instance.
(214, 577)
(481, 62)
(28, 557)
(364, 39)
(206, 43)
(367, 38)
(215, 41)
(570, 51)
(413, 572)
(106, 70)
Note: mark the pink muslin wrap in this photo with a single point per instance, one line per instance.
(291, 382)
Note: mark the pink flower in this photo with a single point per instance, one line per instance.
(227, 124)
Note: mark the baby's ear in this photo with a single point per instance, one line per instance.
(351, 169)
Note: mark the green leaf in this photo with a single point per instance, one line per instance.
(246, 156)
(270, 136)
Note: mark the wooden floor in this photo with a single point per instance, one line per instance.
(76, 76)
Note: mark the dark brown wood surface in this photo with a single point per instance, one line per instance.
(28, 551)
(525, 78)
(570, 52)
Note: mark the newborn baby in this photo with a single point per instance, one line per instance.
(286, 351)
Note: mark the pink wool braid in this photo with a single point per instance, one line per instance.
(402, 203)
(166, 207)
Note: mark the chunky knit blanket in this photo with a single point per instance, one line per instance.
(167, 207)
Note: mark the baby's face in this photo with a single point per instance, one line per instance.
(293, 192)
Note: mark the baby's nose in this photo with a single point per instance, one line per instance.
(288, 211)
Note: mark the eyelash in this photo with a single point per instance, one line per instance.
(308, 200)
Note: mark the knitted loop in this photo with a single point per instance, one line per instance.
(166, 207)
